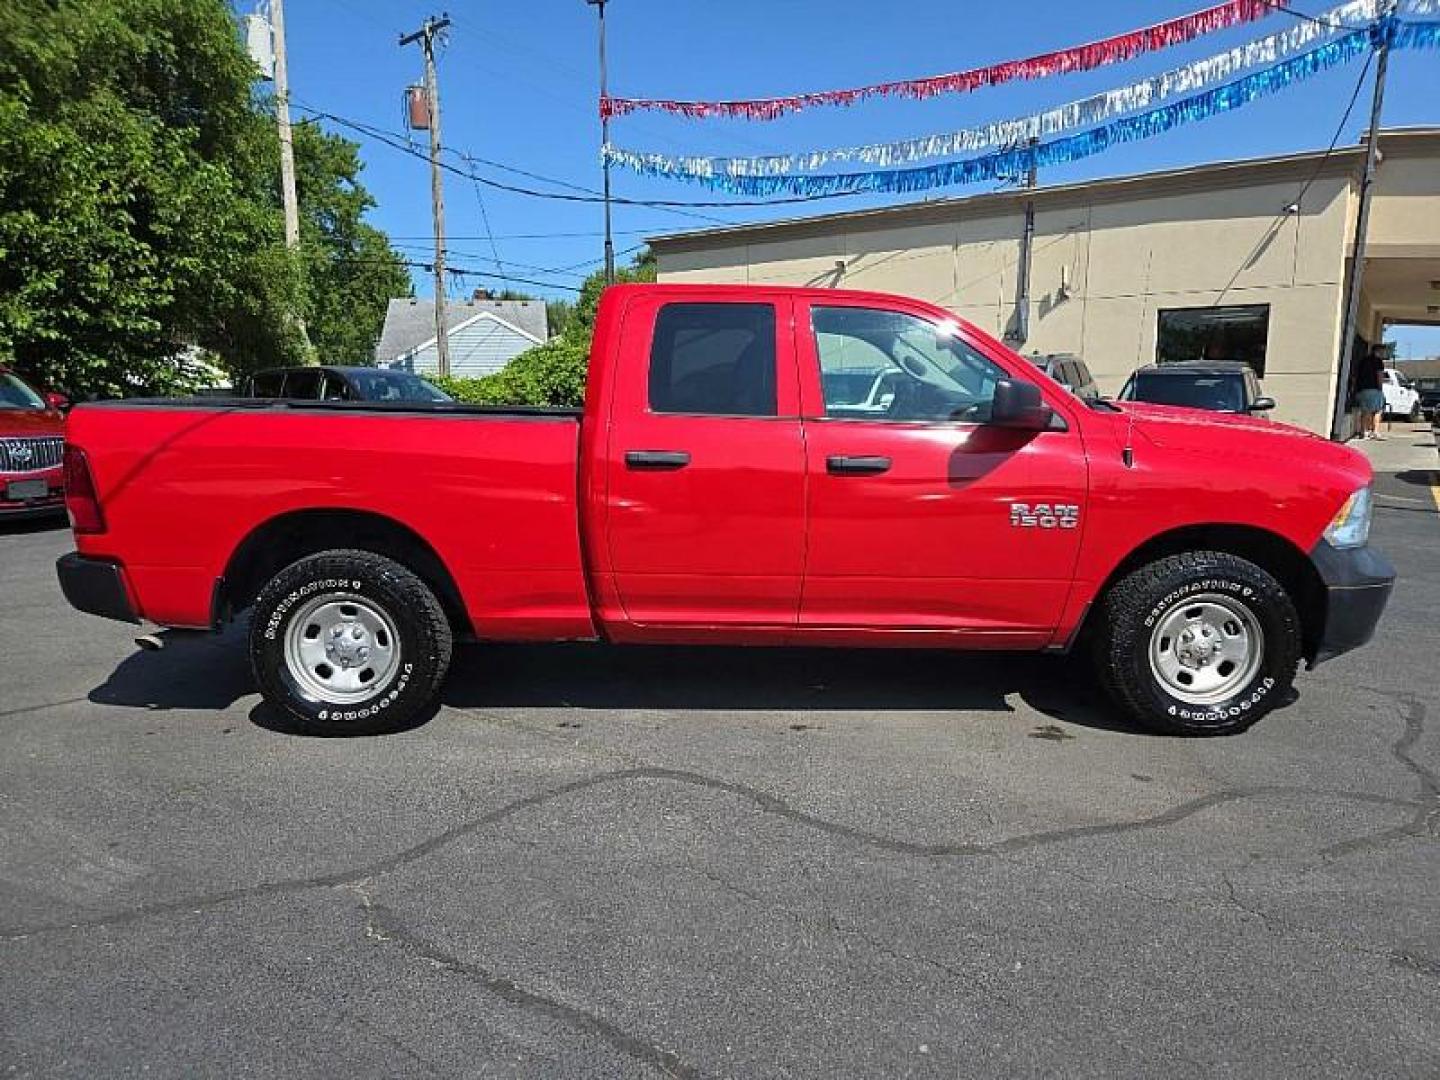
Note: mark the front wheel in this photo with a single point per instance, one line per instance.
(349, 642)
(1200, 643)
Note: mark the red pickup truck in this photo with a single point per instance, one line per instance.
(753, 466)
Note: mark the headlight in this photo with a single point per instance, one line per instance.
(1350, 528)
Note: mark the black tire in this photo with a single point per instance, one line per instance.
(1416, 413)
(1133, 609)
(415, 670)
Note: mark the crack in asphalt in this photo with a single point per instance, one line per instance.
(765, 801)
(1419, 964)
(1427, 809)
(383, 928)
(7, 713)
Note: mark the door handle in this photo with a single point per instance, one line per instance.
(845, 465)
(656, 459)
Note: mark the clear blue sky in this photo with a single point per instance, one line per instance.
(518, 86)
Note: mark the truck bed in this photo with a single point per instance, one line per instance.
(491, 491)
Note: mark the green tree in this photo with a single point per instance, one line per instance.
(351, 271)
(139, 205)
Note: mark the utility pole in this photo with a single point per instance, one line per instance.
(426, 36)
(1021, 329)
(1382, 32)
(605, 142)
(287, 144)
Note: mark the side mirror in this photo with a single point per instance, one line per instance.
(57, 401)
(1262, 404)
(1018, 404)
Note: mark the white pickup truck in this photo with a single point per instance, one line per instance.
(1401, 399)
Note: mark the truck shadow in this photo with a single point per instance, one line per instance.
(209, 672)
(773, 680)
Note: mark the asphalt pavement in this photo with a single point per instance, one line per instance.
(713, 863)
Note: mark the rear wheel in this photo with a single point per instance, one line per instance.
(1201, 643)
(349, 642)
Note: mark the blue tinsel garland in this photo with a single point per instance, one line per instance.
(1145, 125)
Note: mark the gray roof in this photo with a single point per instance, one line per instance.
(411, 323)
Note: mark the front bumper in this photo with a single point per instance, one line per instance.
(1357, 587)
(95, 587)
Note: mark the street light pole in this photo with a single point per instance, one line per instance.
(599, 5)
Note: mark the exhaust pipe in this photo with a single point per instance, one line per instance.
(150, 642)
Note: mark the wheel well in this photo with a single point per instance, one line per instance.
(1271, 552)
(285, 539)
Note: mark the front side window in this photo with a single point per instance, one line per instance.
(14, 394)
(714, 360)
(887, 365)
(1187, 335)
(395, 386)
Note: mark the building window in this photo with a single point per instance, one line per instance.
(1214, 333)
(714, 359)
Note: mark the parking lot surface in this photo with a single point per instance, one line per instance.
(708, 863)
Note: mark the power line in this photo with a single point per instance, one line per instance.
(415, 264)
(663, 204)
(1299, 199)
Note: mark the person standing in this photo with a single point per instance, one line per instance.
(1369, 378)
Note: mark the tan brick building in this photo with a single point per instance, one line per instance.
(1244, 260)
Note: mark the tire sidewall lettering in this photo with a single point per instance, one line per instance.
(1220, 585)
(277, 616)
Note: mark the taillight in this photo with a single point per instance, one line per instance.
(80, 498)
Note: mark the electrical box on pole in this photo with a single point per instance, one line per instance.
(417, 108)
(260, 44)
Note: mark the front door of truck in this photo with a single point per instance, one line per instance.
(706, 465)
(922, 517)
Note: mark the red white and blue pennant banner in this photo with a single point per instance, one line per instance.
(1097, 109)
(1111, 50)
(1139, 126)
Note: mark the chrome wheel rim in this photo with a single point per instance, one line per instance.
(341, 648)
(1205, 648)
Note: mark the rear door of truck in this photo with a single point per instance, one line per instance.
(705, 465)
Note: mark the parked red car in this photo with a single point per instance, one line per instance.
(32, 433)
(753, 466)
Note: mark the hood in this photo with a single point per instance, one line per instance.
(30, 422)
(1238, 437)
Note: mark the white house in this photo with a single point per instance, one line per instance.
(484, 334)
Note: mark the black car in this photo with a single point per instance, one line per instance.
(1070, 372)
(1219, 386)
(333, 383)
(1429, 390)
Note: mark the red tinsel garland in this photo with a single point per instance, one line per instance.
(1079, 58)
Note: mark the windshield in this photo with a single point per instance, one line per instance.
(394, 386)
(1225, 393)
(14, 394)
(1427, 384)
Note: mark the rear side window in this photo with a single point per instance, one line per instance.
(714, 360)
(267, 384)
(303, 385)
